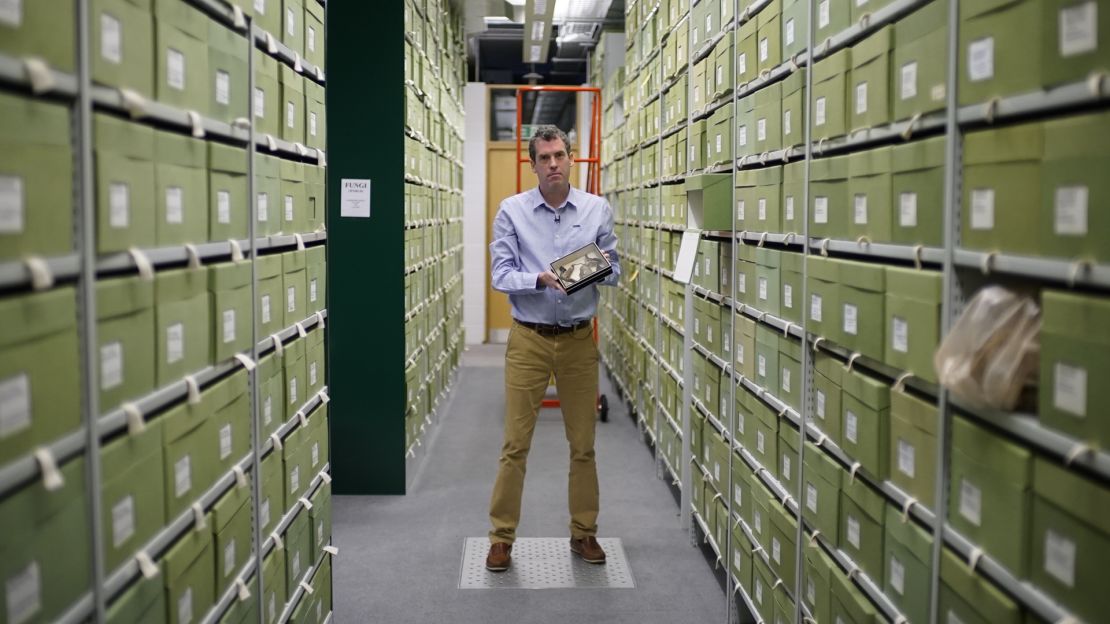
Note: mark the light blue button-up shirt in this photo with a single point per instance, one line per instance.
(527, 239)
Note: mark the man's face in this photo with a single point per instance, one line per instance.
(552, 164)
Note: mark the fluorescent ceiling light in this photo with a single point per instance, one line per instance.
(516, 2)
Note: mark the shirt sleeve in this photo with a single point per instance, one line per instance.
(504, 252)
(607, 241)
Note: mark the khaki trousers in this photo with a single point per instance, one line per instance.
(530, 361)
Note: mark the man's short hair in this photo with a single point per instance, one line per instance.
(546, 133)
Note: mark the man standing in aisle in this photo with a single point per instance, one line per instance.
(552, 334)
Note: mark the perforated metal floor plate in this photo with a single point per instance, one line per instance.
(545, 563)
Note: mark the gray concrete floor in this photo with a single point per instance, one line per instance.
(400, 556)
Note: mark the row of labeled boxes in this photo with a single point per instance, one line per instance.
(172, 52)
(149, 477)
(437, 126)
(423, 162)
(425, 391)
(150, 333)
(422, 202)
(428, 242)
(153, 188)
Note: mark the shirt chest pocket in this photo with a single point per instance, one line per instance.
(578, 236)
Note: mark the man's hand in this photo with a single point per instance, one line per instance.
(547, 279)
(608, 258)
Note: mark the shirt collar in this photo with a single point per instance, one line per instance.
(539, 202)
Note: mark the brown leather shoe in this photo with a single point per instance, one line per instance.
(498, 559)
(588, 549)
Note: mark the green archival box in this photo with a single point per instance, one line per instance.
(763, 589)
(917, 196)
(266, 99)
(132, 492)
(145, 601)
(36, 187)
(125, 332)
(793, 188)
(1073, 185)
(231, 420)
(790, 372)
(823, 308)
(182, 323)
(294, 287)
(124, 162)
(784, 547)
(229, 207)
(292, 28)
(190, 583)
(273, 581)
(180, 189)
(817, 581)
(1071, 47)
(866, 424)
(861, 527)
(862, 288)
(793, 109)
(830, 76)
(821, 499)
(186, 438)
(716, 201)
(271, 301)
(968, 597)
(294, 207)
(912, 311)
(227, 67)
(1000, 48)
(769, 36)
(848, 604)
(913, 446)
(268, 200)
(908, 555)
(1075, 345)
(36, 29)
(231, 531)
(747, 63)
(828, 215)
(181, 61)
(869, 81)
(829, 373)
(768, 283)
(292, 105)
(767, 117)
(918, 73)
(869, 195)
(123, 44)
(316, 128)
(1002, 188)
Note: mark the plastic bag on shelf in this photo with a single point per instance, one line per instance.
(992, 351)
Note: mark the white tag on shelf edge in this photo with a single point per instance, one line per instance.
(135, 422)
(42, 278)
(304, 501)
(193, 390)
(199, 521)
(247, 363)
(51, 477)
(240, 476)
(277, 441)
(146, 565)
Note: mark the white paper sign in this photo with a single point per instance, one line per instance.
(982, 209)
(182, 476)
(909, 80)
(265, 309)
(786, 122)
(229, 558)
(225, 442)
(223, 207)
(111, 365)
(111, 39)
(1069, 389)
(815, 307)
(819, 112)
(970, 502)
(907, 210)
(1071, 210)
(980, 59)
(788, 31)
(788, 296)
(821, 404)
(1078, 29)
(259, 103)
(1059, 557)
(355, 198)
(861, 98)
(823, 13)
(185, 607)
(263, 207)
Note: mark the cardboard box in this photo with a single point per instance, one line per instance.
(917, 192)
(45, 554)
(182, 322)
(862, 311)
(292, 31)
(795, 27)
(228, 74)
(1074, 346)
(823, 308)
(273, 583)
(123, 38)
(271, 507)
(848, 604)
(861, 526)
(1002, 188)
(144, 601)
(769, 36)
(132, 492)
(817, 581)
(1000, 48)
(793, 202)
(743, 332)
(719, 145)
(760, 210)
(696, 141)
(231, 434)
(830, 78)
(742, 558)
(1073, 156)
(181, 76)
(767, 118)
(124, 161)
(869, 81)
(828, 215)
(763, 589)
(699, 97)
(188, 471)
(231, 531)
(768, 282)
(913, 445)
(294, 287)
(747, 61)
(706, 271)
(37, 159)
(793, 111)
(790, 372)
(762, 439)
(990, 494)
(919, 74)
(784, 548)
(869, 192)
(296, 389)
(320, 516)
(292, 104)
(268, 196)
(125, 335)
(180, 189)
(1071, 537)
(913, 305)
(712, 193)
(30, 29)
(266, 101)
(722, 68)
(189, 565)
(316, 126)
(784, 606)
(767, 358)
(829, 373)
(792, 303)
(315, 361)
(866, 423)
(271, 295)
(908, 555)
(268, 15)
(832, 16)
(314, 33)
(968, 597)
(1070, 48)
(229, 206)
(821, 497)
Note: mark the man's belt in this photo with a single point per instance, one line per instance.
(553, 330)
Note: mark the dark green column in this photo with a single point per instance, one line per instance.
(366, 332)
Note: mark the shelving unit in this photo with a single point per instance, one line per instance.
(703, 173)
(164, 328)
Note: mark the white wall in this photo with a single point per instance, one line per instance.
(475, 250)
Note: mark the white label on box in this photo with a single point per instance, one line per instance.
(823, 13)
(15, 404)
(223, 207)
(697, 326)
(900, 335)
(952, 618)
(740, 423)
(738, 495)
(853, 531)
(851, 426)
(259, 103)
(786, 125)
(175, 205)
(111, 365)
(707, 394)
(225, 441)
(860, 209)
(743, 136)
(697, 98)
(761, 130)
(260, 7)
(1071, 210)
(739, 353)
(185, 607)
(264, 512)
(119, 205)
(315, 454)
(716, 469)
(897, 575)
(11, 14)
(741, 209)
(811, 497)
(11, 204)
(786, 467)
(1078, 29)
(980, 59)
(982, 209)
(788, 296)
(223, 87)
(708, 331)
(742, 63)
(907, 209)
(718, 143)
(312, 373)
(312, 123)
(288, 208)
(312, 290)
(742, 283)
(785, 379)
(759, 440)
(788, 211)
(764, 50)
(906, 458)
(788, 31)
(175, 69)
(123, 521)
(111, 38)
(175, 343)
(811, 593)
(971, 501)
(708, 23)
(265, 309)
(291, 299)
(268, 410)
(290, 22)
(762, 209)
(909, 80)
(759, 591)
(776, 550)
(861, 98)
(1069, 390)
(229, 558)
(182, 476)
(821, 209)
(1059, 557)
(23, 594)
(310, 36)
(821, 404)
(720, 74)
(295, 479)
(937, 92)
(263, 207)
(815, 307)
(757, 522)
(290, 114)
(851, 314)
